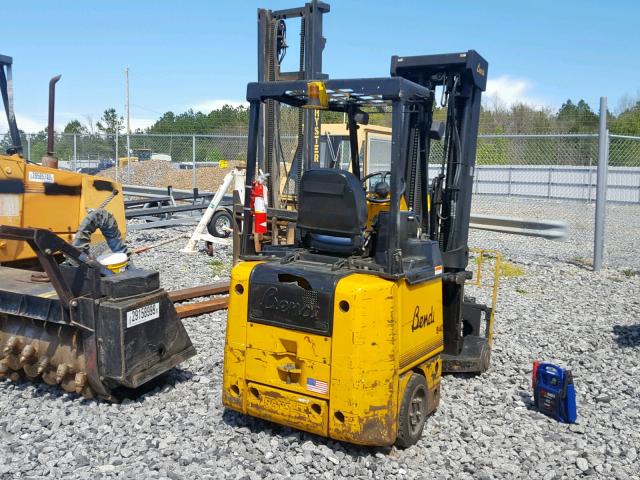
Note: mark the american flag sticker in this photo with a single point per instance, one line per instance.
(317, 386)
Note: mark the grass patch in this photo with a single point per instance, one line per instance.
(219, 267)
(629, 272)
(521, 291)
(510, 270)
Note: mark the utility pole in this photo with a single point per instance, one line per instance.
(126, 107)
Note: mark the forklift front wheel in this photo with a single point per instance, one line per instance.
(413, 411)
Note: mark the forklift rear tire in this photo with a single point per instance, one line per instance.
(413, 411)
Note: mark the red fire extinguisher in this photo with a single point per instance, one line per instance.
(258, 205)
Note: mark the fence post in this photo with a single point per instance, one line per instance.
(601, 186)
(128, 156)
(75, 152)
(590, 181)
(549, 184)
(117, 158)
(29, 147)
(194, 182)
(477, 174)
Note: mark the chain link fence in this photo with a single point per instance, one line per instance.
(551, 166)
(544, 166)
(541, 176)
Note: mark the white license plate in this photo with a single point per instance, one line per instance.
(143, 314)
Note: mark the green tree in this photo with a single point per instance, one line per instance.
(577, 117)
(74, 126)
(110, 123)
(225, 119)
(628, 121)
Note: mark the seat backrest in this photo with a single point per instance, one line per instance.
(331, 203)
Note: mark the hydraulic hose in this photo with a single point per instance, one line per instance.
(106, 222)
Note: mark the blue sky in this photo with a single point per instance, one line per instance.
(196, 53)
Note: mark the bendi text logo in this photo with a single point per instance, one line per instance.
(422, 320)
(289, 308)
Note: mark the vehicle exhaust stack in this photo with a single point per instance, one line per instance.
(50, 160)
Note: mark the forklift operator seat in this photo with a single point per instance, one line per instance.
(332, 211)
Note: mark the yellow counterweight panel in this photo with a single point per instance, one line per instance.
(364, 387)
(234, 390)
(420, 317)
(287, 358)
(287, 408)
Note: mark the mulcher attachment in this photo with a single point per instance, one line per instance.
(84, 328)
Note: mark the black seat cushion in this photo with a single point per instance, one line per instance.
(332, 202)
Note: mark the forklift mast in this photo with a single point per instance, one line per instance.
(6, 88)
(463, 78)
(272, 49)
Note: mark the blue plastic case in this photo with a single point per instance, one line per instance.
(554, 393)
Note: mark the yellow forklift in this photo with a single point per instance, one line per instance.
(346, 332)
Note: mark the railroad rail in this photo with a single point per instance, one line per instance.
(199, 308)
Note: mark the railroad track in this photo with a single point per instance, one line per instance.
(220, 301)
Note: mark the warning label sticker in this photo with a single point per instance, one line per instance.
(9, 205)
(41, 177)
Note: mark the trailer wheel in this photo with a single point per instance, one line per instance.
(413, 411)
(220, 224)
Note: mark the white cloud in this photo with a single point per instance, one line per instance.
(26, 124)
(207, 105)
(30, 125)
(508, 90)
(141, 123)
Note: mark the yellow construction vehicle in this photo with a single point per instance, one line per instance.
(32, 195)
(65, 318)
(137, 155)
(346, 332)
(42, 196)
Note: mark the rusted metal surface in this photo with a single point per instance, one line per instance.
(200, 308)
(43, 351)
(199, 291)
(55, 333)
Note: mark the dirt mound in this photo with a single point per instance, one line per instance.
(159, 173)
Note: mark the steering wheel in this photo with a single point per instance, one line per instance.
(375, 196)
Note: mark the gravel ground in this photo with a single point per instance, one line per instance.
(557, 310)
(622, 231)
